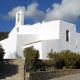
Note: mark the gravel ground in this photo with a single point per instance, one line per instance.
(69, 77)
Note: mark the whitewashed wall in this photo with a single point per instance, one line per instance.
(49, 30)
(78, 42)
(23, 40)
(9, 45)
(71, 45)
(48, 45)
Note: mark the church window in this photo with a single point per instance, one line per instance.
(17, 29)
(67, 36)
(51, 50)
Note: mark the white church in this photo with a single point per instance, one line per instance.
(46, 36)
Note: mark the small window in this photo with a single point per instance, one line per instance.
(18, 17)
(67, 36)
(51, 50)
(17, 29)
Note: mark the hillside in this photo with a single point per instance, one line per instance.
(3, 35)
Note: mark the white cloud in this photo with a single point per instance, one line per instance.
(67, 10)
(12, 13)
(31, 11)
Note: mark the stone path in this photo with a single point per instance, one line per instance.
(14, 71)
(69, 77)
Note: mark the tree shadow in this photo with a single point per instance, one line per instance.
(8, 69)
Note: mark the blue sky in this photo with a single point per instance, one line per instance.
(38, 11)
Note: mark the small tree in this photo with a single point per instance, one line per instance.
(1, 53)
(31, 57)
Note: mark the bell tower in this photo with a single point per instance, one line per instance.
(20, 17)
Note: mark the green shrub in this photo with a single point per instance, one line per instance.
(67, 59)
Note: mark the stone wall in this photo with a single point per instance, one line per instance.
(50, 74)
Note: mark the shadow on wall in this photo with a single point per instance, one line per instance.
(8, 69)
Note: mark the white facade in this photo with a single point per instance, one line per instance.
(46, 36)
